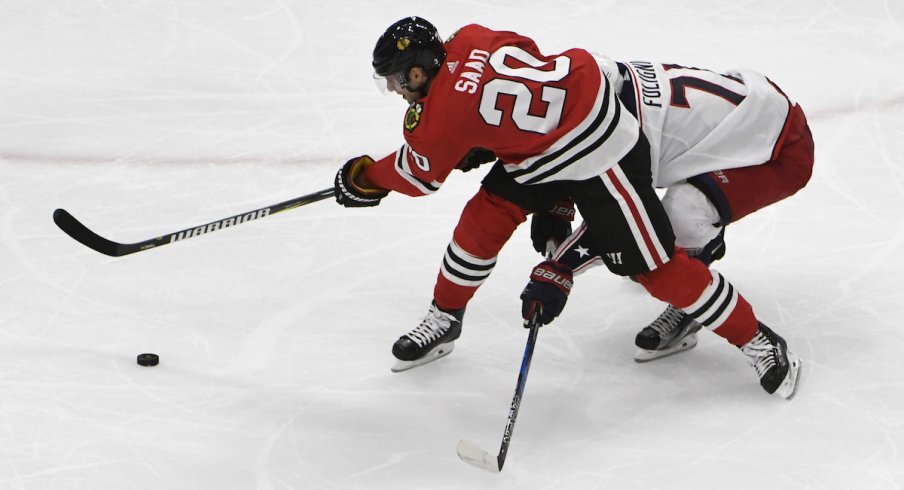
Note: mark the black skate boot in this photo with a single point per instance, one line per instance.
(777, 367)
(674, 331)
(432, 339)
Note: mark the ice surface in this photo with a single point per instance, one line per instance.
(147, 116)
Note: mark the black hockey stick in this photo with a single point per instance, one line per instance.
(472, 454)
(88, 238)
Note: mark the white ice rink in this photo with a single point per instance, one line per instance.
(143, 117)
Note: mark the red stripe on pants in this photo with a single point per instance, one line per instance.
(635, 215)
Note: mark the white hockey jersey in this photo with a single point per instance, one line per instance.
(698, 121)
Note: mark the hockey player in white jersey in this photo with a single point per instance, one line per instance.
(724, 145)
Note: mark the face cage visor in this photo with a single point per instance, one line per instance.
(394, 82)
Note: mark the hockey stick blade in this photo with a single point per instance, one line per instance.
(470, 453)
(84, 235)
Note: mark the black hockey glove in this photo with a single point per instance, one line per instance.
(475, 158)
(554, 225)
(550, 283)
(348, 192)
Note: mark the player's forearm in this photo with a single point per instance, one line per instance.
(385, 175)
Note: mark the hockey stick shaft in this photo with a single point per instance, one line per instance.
(472, 454)
(468, 451)
(81, 233)
(534, 325)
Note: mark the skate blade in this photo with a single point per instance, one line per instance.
(438, 352)
(788, 388)
(644, 355)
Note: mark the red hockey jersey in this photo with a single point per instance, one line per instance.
(550, 117)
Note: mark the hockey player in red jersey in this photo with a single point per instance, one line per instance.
(559, 132)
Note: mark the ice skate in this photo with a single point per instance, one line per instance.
(432, 339)
(673, 332)
(777, 367)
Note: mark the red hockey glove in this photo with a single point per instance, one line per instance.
(554, 224)
(348, 192)
(550, 283)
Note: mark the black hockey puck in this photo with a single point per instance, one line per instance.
(148, 359)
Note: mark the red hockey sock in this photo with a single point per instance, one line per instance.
(704, 294)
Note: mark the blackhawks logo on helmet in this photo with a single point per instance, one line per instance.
(413, 116)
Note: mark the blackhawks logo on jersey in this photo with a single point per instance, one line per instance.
(413, 116)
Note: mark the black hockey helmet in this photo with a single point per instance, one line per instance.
(409, 42)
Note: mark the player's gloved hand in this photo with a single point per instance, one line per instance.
(348, 192)
(475, 158)
(554, 225)
(550, 283)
